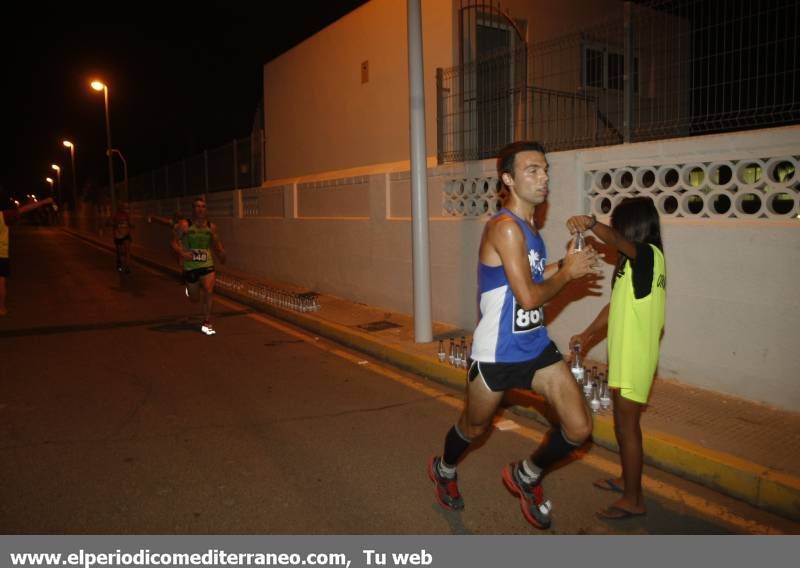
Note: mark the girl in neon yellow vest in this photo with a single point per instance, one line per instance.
(633, 321)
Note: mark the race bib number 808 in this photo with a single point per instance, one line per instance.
(527, 320)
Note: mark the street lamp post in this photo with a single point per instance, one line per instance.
(71, 147)
(51, 182)
(57, 168)
(124, 171)
(100, 86)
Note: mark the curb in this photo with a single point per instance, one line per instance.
(763, 487)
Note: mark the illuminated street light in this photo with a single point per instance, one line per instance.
(100, 86)
(57, 168)
(71, 147)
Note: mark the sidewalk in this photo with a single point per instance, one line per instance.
(745, 450)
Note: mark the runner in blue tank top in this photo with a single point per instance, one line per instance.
(508, 333)
(511, 347)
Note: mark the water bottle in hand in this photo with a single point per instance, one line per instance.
(577, 366)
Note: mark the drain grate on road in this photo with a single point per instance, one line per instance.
(378, 325)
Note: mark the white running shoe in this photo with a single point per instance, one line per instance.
(186, 291)
(207, 328)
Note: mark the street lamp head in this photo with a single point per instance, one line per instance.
(100, 86)
(56, 167)
(48, 180)
(68, 144)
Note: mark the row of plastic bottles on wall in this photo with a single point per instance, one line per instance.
(300, 301)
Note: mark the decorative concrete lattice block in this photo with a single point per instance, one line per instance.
(767, 188)
(473, 197)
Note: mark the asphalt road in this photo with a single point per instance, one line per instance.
(117, 416)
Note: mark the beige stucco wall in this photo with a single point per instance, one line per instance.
(319, 116)
(549, 20)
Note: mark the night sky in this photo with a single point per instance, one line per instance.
(181, 78)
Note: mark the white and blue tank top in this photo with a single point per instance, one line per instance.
(507, 333)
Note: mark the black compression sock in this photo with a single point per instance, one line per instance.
(455, 444)
(554, 449)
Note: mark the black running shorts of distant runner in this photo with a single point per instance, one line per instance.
(192, 276)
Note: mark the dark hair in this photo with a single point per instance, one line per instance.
(198, 198)
(636, 219)
(505, 160)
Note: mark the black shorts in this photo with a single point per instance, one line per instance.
(192, 276)
(504, 376)
(5, 266)
(120, 242)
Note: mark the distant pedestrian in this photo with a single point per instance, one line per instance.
(633, 321)
(122, 226)
(8, 216)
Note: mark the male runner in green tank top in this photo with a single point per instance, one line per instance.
(193, 240)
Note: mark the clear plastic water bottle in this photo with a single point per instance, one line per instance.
(605, 394)
(441, 354)
(594, 403)
(451, 356)
(580, 241)
(587, 386)
(577, 365)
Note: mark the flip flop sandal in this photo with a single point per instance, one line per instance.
(614, 513)
(608, 485)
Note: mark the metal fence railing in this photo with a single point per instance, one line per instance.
(233, 166)
(656, 69)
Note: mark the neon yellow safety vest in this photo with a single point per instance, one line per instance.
(3, 237)
(634, 326)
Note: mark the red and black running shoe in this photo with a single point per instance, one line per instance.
(446, 489)
(531, 497)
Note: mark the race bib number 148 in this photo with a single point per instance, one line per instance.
(527, 320)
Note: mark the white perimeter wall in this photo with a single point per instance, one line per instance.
(732, 313)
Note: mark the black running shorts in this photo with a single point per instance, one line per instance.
(192, 276)
(5, 266)
(504, 376)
